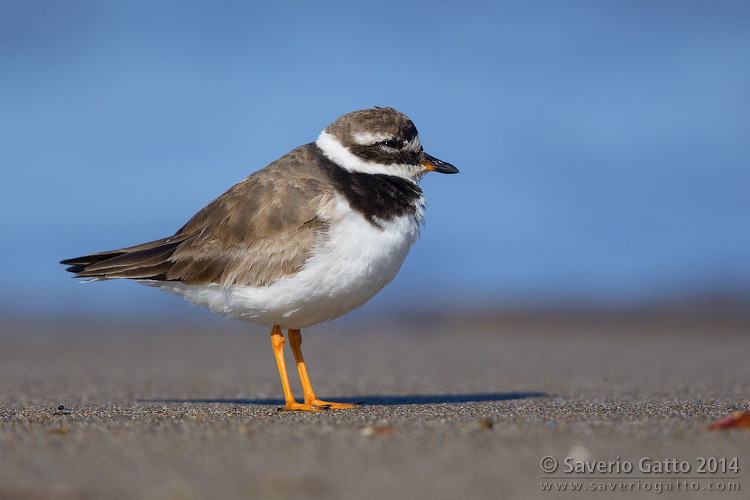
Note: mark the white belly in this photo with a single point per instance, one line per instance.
(347, 269)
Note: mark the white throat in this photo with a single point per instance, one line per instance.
(344, 158)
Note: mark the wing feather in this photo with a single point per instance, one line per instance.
(261, 229)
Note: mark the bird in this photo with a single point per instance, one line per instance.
(306, 239)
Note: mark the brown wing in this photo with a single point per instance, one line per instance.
(261, 229)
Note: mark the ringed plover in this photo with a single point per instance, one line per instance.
(306, 239)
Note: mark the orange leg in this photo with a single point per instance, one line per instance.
(277, 343)
(295, 341)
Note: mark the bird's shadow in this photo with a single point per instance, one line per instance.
(375, 400)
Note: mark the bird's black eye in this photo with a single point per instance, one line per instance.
(391, 145)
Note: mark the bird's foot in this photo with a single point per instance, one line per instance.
(334, 406)
(317, 405)
(302, 407)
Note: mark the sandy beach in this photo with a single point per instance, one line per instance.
(453, 408)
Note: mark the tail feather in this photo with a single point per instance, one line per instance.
(146, 261)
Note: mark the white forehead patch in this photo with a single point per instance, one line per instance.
(414, 144)
(367, 138)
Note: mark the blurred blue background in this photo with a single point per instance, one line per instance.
(603, 146)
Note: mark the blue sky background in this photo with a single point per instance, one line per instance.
(603, 146)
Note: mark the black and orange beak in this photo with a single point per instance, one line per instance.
(432, 164)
